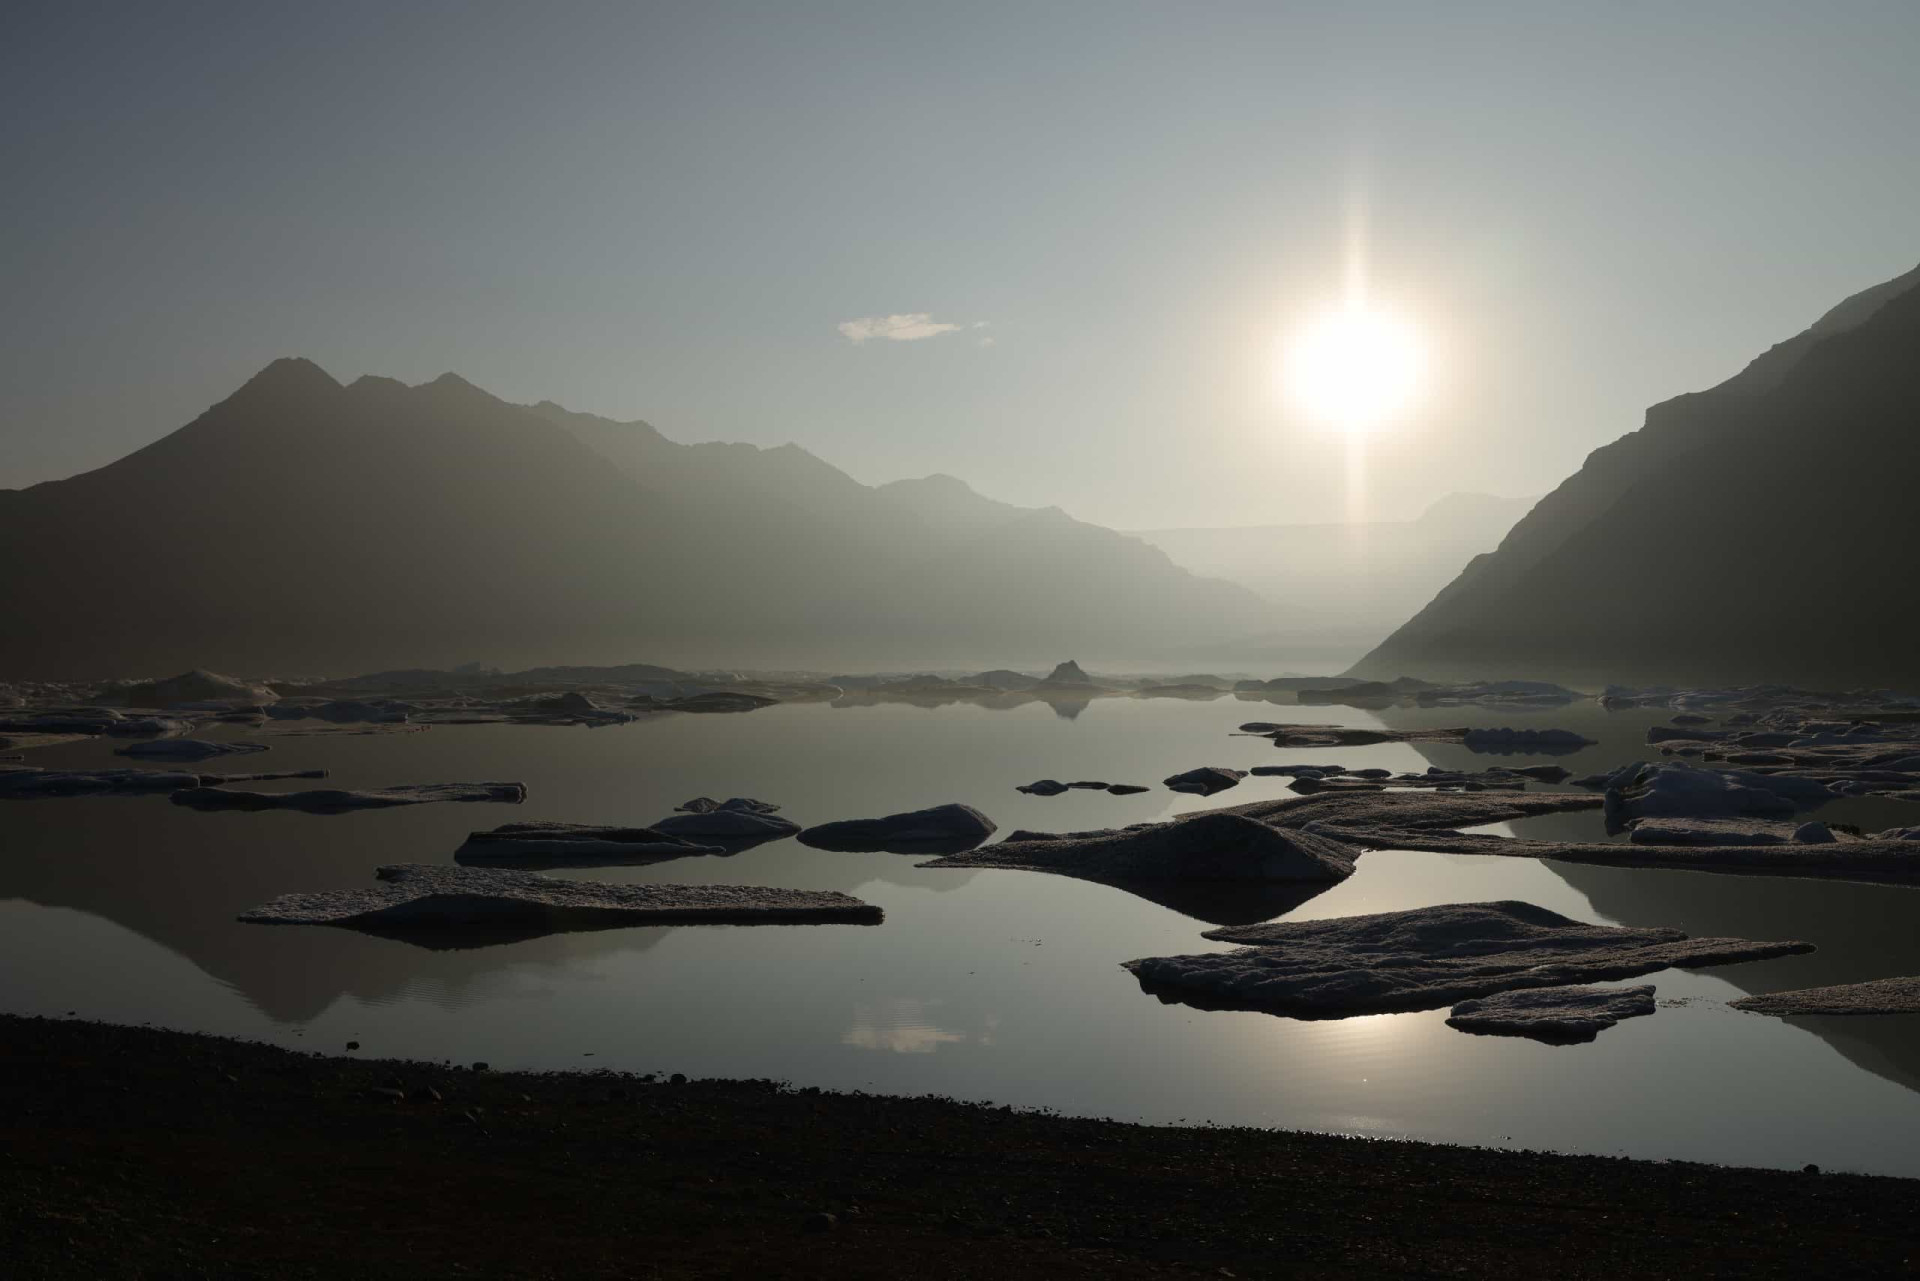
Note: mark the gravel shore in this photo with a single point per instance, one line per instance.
(131, 1152)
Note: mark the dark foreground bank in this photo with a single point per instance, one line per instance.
(129, 1152)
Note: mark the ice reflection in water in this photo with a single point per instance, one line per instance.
(995, 985)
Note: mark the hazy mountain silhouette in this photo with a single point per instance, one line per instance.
(1351, 581)
(305, 526)
(1755, 531)
(933, 563)
(949, 503)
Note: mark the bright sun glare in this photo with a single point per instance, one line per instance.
(1356, 369)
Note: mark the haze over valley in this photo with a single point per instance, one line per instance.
(316, 527)
(427, 508)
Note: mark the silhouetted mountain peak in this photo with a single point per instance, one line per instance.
(1067, 673)
(452, 389)
(792, 455)
(941, 481)
(939, 486)
(288, 376)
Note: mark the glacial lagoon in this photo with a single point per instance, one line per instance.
(991, 985)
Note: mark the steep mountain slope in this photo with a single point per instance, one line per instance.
(1755, 531)
(305, 526)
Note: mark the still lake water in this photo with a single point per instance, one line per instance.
(1000, 986)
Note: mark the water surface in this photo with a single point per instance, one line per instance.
(992, 985)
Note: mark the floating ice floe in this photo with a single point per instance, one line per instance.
(1212, 846)
(549, 844)
(25, 781)
(939, 830)
(1205, 781)
(425, 897)
(335, 801)
(190, 749)
(1879, 996)
(1423, 958)
(1561, 1015)
(738, 822)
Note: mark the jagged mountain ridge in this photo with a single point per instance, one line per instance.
(1754, 531)
(303, 525)
(932, 548)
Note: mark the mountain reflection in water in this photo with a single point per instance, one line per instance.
(1000, 985)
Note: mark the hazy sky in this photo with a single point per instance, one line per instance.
(1046, 246)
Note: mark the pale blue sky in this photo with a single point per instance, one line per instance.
(667, 211)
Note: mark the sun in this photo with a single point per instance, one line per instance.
(1356, 368)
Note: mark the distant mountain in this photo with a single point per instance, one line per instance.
(1347, 583)
(302, 526)
(936, 567)
(1761, 530)
(950, 504)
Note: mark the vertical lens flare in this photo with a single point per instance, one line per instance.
(1356, 443)
(1356, 367)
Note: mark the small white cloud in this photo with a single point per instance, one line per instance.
(907, 327)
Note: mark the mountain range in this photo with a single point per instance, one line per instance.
(305, 526)
(1756, 531)
(1761, 530)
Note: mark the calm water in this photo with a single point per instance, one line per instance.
(993, 985)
